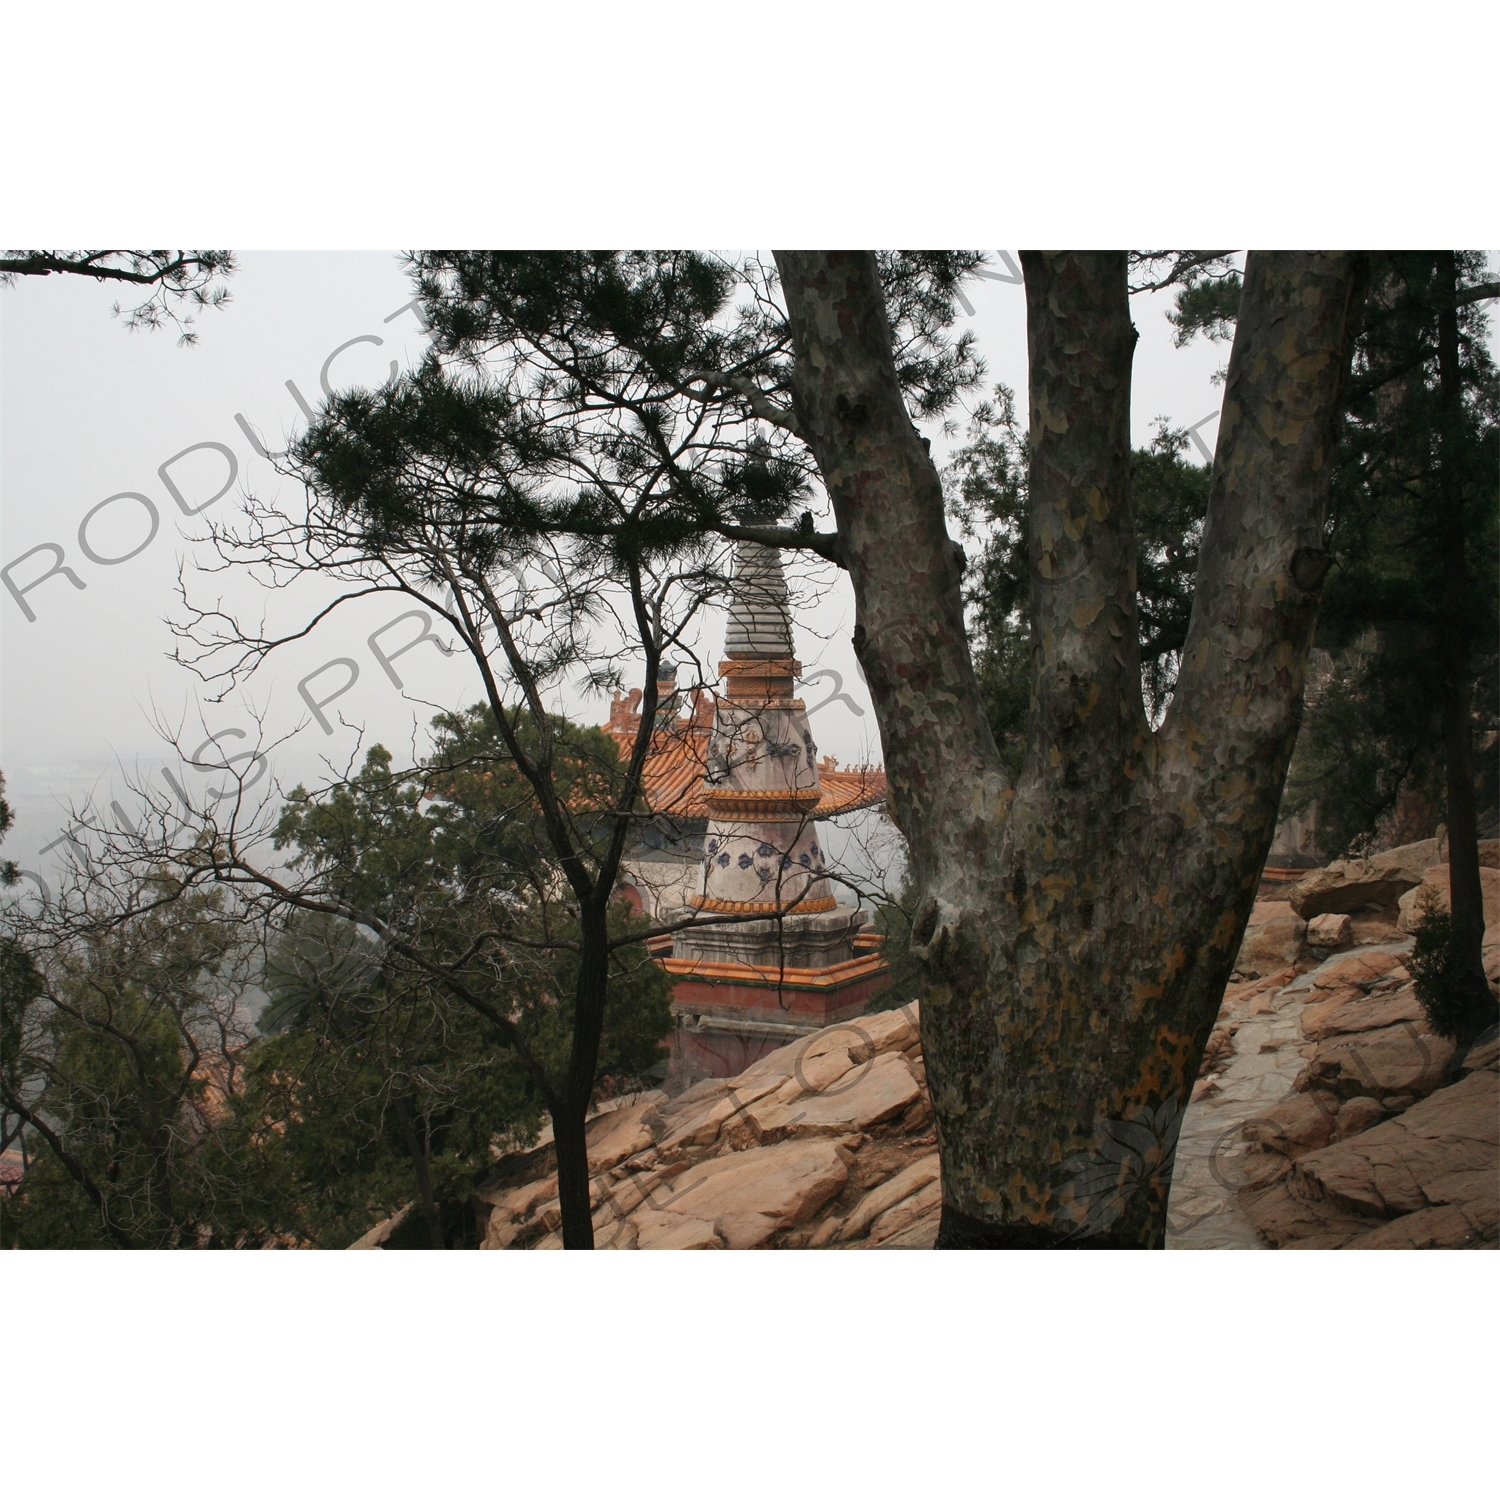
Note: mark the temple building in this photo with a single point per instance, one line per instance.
(735, 791)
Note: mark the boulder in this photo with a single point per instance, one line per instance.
(1286, 1221)
(621, 1235)
(920, 1234)
(1484, 1052)
(788, 1183)
(896, 1218)
(889, 1030)
(1441, 1151)
(1347, 1012)
(656, 1229)
(815, 1076)
(621, 1132)
(746, 1231)
(1273, 939)
(890, 1027)
(1330, 930)
(1358, 970)
(1435, 884)
(1401, 1059)
(1349, 884)
(874, 1092)
(512, 1209)
(911, 1179)
(700, 1125)
(1446, 1227)
(1295, 1126)
(1355, 1115)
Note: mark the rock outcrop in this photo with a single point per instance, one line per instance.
(1388, 1140)
(1349, 884)
(1326, 1114)
(825, 1143)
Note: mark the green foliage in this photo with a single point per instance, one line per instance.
(602, 405)
(369, 1075)
(8, 872)
(1373, 726)
(1456, 1006)
(1207, 304)
(121, 1040)
(1372, 732)
(986, 489)
(1377, 731)
(451, 856)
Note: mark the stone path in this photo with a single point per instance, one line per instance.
(1267, 1054)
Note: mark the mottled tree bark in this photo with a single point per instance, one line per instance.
(1079, 928)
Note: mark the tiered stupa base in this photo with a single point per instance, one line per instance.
(731, 1007)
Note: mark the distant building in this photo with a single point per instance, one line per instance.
(736, 791)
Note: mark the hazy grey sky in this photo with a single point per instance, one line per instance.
(89, 411)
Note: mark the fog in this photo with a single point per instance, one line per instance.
(92, 413)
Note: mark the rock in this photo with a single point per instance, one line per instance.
(660, 1230)
(876, 1091)
(1375, 927)
(1351, 1011)
(618, 1199)
(701, 1126)
(894, 1027)
(512, 1209)
(374, 1239)
(1355, 1115)
(1348, 885)
(909, 1180)
(1220, 1044)
(1395, 1103)
(1288, 1222)
(1330, 930)
(621, 1132)
(1441, 1151)
(1446, 1227)
(1273, 939)
(1358, 970)
(825, 1233)
(920, 1234)
(1295, 1126)
(746, 1231)
(621, 1235)
(895, 1219)
(1435, 884)
(1483, 1053)
(788, 1183)
(1489, 853)
(816, 1076)
(889, 1030)
(1394, 1060)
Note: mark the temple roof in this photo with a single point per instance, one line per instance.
(679, 755)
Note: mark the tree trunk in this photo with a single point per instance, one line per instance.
(1465, 893)
(590, 996)
(1078, 928)
(419, 1164)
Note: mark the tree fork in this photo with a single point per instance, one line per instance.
(1079, 931)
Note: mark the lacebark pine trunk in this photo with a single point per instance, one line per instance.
(1078, 928)
(1465, 893)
